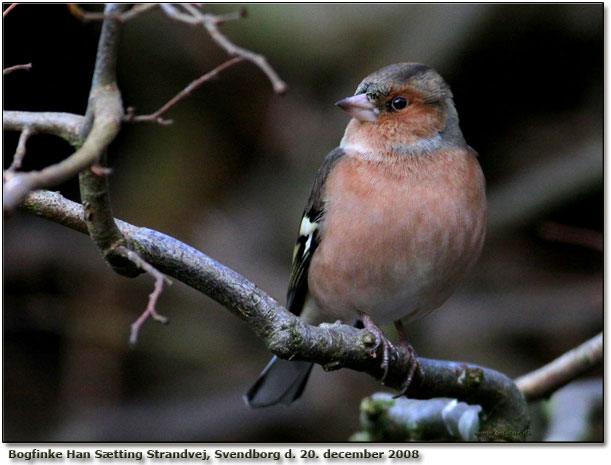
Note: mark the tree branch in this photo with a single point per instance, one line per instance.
(333, 346)
(86, 16)
(8, 10)
(10, 69)
(105, 101)
(561, 371)
(65, 125)
(157, 116)
(99, 127)
(384, 418)
(160, 280)
(105, 128)
(20, 152)
(211, 22)
(102, 124)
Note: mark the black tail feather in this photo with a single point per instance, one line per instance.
(282, 382)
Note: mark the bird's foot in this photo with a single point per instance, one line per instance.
(381, 339)
(410, 356)
(414, 366)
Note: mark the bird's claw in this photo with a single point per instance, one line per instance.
(414, 365)
(381, 340)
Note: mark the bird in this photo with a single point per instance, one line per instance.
(395, 220)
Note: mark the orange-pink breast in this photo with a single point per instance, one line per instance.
(397, 236)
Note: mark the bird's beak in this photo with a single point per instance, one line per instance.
(359, 107)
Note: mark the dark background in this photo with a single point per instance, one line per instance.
(230, 178)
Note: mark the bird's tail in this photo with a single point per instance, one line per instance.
(282, 382)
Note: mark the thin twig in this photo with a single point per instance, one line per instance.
(172, 12)
(10, 69)
(551, 377)
(157, 116)
(8, 10)
(211, 22)
(137, 10)
(160, 280)
(87, 16)
(20, 152)
(232, 16)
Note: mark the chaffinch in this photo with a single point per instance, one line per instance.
(395, 219)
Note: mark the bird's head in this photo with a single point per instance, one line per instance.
(403, 108)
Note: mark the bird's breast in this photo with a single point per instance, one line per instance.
(397, 237)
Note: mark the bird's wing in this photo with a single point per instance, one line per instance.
(309, 235)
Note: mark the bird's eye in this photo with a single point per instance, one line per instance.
(398, 103)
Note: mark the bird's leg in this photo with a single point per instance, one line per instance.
(381, 339)
(412, 359)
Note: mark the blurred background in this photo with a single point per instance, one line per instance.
(231, 176)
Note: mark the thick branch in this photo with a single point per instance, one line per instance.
(333, 346)
(561, 371)
(385, 418)
(105, 99)
(65, 125)
(105, 71)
